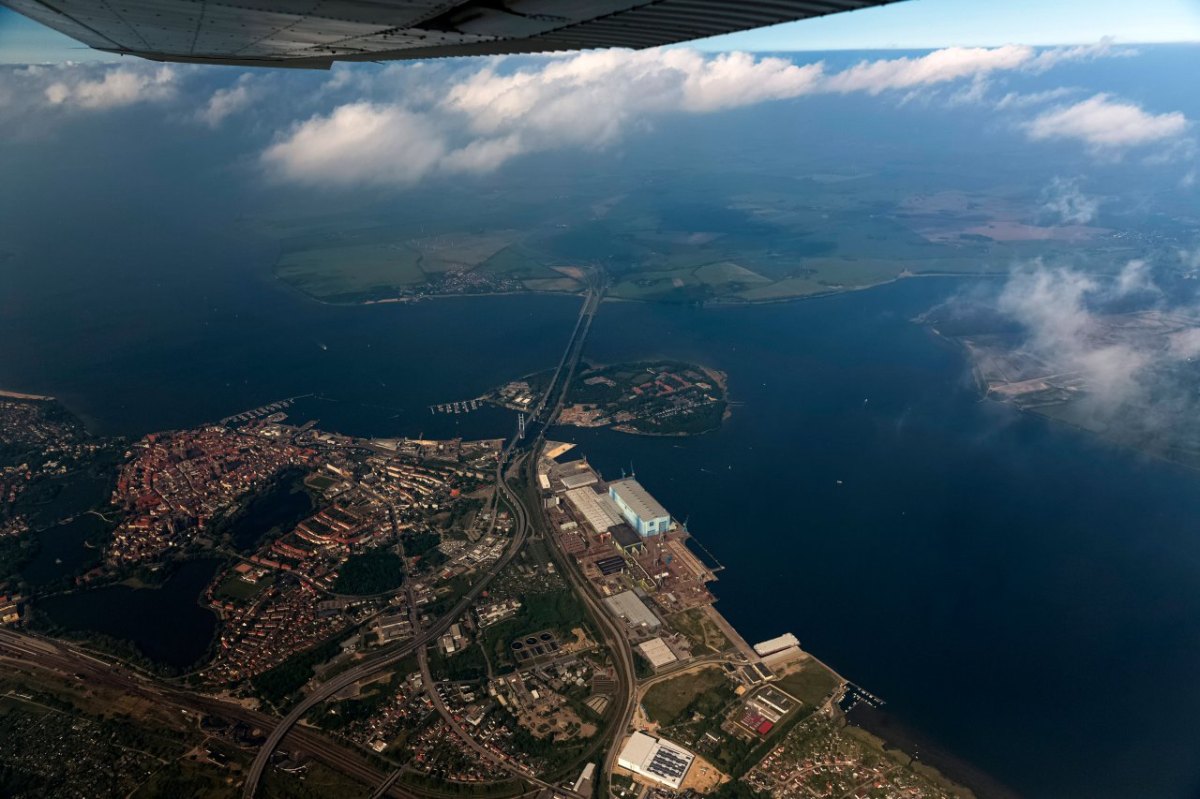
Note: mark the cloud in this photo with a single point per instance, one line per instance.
(1190, 259)
(1103, 123)
(1053, 56)
(1068, 203)
(940, 66)
(227, 101)
(1127, 365)
(478, 120)
(1026, 99)
(482, 156)
(591, 97)
(589, 101)
(117, 87)
(1135, 278)
(360, 143)
(1049, 303)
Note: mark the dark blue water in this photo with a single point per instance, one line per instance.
(280, 507)
(66, 550)
(1020, 591)
(166, 624)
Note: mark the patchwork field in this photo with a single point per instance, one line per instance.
(781, 241)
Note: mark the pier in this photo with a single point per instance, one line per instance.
(464, 406)
(262, 410)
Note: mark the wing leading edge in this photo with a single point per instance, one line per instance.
(315, 33)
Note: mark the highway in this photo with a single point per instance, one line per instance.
(520, 529)
(64, 659)
(610, 628)
(376, 663)
(617, 644)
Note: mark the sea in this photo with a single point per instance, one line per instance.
(1022, 595)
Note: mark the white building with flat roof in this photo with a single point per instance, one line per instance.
(633, 610)
(785, 641)
(657, 759)
(641, 510)
(657, 652)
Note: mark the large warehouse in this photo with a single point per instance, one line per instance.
(641, 510)
(598, 510)
(656, 758)
(633, 610)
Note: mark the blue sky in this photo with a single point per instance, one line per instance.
(909, 24)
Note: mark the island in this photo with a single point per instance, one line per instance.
(653, 398)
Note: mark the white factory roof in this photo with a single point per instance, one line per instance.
(628, 606)
(574, 474)
(779, 659)
(579, 479)
(656, 758)
(598, 509)
(657, 652)
(775, 644)
(638, 499)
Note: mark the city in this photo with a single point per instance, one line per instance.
(492, 614)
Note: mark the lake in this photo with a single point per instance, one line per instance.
(63, 549)
(166, 624)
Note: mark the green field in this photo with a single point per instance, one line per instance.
(703, 632)
(672, 701)
(725, 238)
(235, 588)
(811, 684)
(350, 270)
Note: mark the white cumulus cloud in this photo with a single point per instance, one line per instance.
(475, 121)
(1104, 123)
(356, 144)
(940, 66)
(227, 101)
(1066, 200)
(114, 88)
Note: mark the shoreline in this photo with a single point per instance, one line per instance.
(17, 395)
(946, 767)
(713, 303)
(923, 749)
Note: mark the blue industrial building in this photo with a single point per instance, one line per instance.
(641, 510)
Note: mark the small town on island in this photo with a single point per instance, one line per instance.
(262, 607)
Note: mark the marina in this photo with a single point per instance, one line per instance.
(263, 411)
(464, 406)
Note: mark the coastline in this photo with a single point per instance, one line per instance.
(713, 303)
(924, 750)
(17, 395)
(927, 757)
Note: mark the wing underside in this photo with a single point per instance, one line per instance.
(315, 33)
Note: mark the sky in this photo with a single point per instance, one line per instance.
(915, 24)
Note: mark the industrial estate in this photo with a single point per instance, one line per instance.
(398, 617)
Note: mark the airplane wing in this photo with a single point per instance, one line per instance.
(315, 33)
